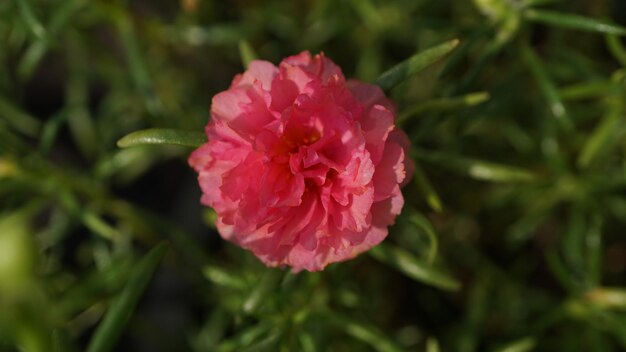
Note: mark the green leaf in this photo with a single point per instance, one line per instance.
(573, 241)
(522, 345)
(547, 87)
(362, 331)
(212, 331)
(81, 123)
(247, 337)
(506, 18)
(613, 323)
(432, 345)
(616, 48)
(61, 341)
(568, 21)
(561, 273)
(247, 53)
(478, 169)
(94, 222)
(18, 119)
(30, 19)
(163, 136)
(266, 284)
(529, 3)
(414, 64)
(463, 49)
(92, 286)
(51, 130)
(593, 250)
(223, 277)
(137, 65)
(424, 224)
(370, 14)
(128, 164)
(36, 51)
(608, 297)
(494, 9)
(586, 90)
(425, 186)
(603, 137)
(120, 312)
(444, 104)
(414, 268)
(307, 342)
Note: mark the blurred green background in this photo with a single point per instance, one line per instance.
(512, 238)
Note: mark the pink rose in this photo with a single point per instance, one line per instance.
(303, 168)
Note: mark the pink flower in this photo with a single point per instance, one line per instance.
(303, 168)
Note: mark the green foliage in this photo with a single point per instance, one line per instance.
(414, 64)
(162, 136)
(511, 238)
(121, 310)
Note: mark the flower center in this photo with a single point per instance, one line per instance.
(297, 140)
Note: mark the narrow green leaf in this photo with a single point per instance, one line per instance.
(31, 58)
(129, 164)
(370, 14)
(478, 169)
(246, 337)
(484, 59)
(121, 310)
(573, 241)
(424, 224)
(608, 297)
(613, 323)
(61, 341)
(432, 345)
(444, 104)
(80, 121)
(92, 286)
(593, 250)
(213, 330)
(505, 16)
(493, 9)
(137, 64)
(363, 332)
(561, 273)
(522, 345)
(529, 3)
(30, 19)
(51, 130)
(90, 219)
(247, 53)
(616, 48)
(163, 136)
(18, 119)
(603, 136)
(462, 51)
(307, 342)
(568, 21)
(18, 252)
(97, 225)
(478, 305)
(425, 186)
(223, 277)
(221, 34)
(547, 88)
(36, 51)
(209, 216)
(414, 268)
(414, 64)
(266, 284)
(586, 90)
